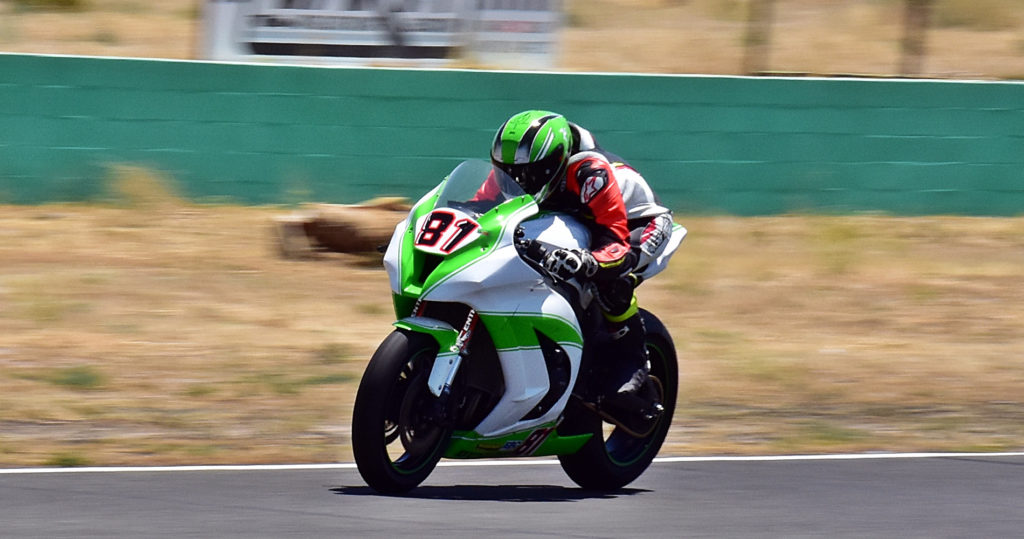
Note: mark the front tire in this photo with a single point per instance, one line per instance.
(613, 459)
(396, 439)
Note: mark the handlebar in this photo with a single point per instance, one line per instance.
(532, 249)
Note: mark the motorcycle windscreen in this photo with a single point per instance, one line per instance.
(477, 187)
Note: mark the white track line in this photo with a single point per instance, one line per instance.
(492, 462)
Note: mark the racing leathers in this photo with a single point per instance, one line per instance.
(628, 226)
(629, 229)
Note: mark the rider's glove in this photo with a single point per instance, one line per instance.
(568, 263)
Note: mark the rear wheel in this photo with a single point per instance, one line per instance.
(613, 457)
(396, 439)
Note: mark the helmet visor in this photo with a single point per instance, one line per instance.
(533, 177)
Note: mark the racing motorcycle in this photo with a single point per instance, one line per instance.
(494, 357)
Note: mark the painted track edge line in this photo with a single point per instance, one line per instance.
(182, 468)
(840, 456)
(496, 462)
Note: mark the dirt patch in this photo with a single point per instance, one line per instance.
(173, 333)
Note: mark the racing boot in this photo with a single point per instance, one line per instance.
(632, 398)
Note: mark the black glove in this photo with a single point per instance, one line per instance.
(568, 263)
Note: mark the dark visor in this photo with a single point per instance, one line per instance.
(532, 177)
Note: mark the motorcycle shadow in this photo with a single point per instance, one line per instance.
(497, 493)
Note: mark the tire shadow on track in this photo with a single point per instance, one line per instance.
(496, 493)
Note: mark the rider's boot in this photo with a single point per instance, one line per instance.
(631, 396)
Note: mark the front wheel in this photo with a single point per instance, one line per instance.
(613, 457)
(396, 439)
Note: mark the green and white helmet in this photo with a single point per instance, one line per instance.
(533, 148)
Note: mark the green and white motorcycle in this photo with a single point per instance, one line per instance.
(493, 357)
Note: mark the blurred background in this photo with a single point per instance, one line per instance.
(961, 39)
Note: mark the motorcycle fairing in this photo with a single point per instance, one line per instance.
(538, 442)
(513, 300)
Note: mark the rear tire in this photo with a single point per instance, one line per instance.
(613, 460)
(395, 439)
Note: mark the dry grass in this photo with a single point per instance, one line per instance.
(802, 333)
(173, 334)
(155, 331)
(970, 39)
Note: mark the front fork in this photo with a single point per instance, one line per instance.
(452, 350)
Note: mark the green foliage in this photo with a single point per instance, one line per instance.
(46, 309)
(976, 14)
(726, 10)
(140, 187)
(106, 37)
(200, 390)
(837, 246)
(332, 354)
(53, 5)
(67, 460)
(83, 377)
(193, 12)
(278, 383)
(133, 6)
(372, 308)
(827, 433)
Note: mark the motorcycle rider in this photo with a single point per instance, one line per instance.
(562, 166)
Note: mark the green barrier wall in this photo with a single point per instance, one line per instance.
(267, 134)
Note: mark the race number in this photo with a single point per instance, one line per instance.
(445, 231)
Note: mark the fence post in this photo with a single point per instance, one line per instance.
(757, 41)
(915, 26)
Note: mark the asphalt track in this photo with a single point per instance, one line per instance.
(905, 496)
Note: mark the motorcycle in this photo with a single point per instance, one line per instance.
(492, 357)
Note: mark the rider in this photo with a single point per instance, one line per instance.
(561, 165)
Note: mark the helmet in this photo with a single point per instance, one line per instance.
(533, 148)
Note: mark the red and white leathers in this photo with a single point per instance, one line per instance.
(629, 227)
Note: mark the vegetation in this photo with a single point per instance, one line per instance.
(60, 5)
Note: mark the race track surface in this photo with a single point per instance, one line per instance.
(978, 495)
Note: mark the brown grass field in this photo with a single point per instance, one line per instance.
(151, 330)
(157, 331)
